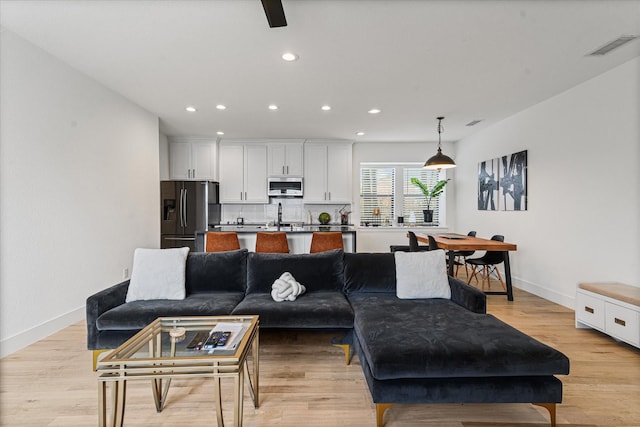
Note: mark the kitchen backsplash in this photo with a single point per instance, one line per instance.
(293, 210)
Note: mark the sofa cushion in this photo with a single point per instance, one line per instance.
(316, 272)
(369, 272)
(157, 274)
(216, 271)
(318, 310)
(138, 314)
(436, 338)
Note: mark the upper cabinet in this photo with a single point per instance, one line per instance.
(192, 159)
(327, 172)
(243, 173)
(285, 159)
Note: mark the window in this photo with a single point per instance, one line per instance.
(386, 192)
(413, 199)
(377, 193)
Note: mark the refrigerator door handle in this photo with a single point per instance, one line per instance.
(182, 207)
(185, 207)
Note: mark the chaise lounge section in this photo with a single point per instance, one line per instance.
(443, 351)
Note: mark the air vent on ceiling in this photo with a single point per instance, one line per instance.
(474, 122)
(612, 45)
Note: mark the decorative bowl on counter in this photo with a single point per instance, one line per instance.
(324, 218)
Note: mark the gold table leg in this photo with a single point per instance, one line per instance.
(102, 404)
(118, 397)
(218, 399)
(256, 369)
(239, 401)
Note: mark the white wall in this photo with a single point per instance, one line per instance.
(584, 186)
(164, 157)
(79, 183)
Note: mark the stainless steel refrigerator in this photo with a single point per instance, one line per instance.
(187, 207)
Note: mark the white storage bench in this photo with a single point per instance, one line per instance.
(612, 308)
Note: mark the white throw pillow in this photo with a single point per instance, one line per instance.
(158, 274)
(421, 275)
(286, 288)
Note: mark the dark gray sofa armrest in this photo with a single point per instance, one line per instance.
(467, 296)
(99, 303)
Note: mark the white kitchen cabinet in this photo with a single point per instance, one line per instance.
(285, 159)
(243, 173)
(327, 172)
(192, 159)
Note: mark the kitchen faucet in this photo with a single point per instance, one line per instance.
(279, 215)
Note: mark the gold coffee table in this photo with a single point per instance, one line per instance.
(153, 354)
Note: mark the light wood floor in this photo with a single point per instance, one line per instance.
(305, 382)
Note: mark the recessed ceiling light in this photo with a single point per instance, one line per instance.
(219, 133)
(191, 109)
(289, 56)
(374, 111)
(221, 107)
(360, 133)
(326, 107)
(273, 107)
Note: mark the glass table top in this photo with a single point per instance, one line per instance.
(174, 338)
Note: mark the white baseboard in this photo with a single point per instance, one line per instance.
(21, 340)
(552, 295)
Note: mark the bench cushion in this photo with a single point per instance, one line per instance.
(138, 314)
(618, 291)
(324, 310)
(437, 338)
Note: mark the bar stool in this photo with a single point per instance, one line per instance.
(487, 264)
(322, 241)
(221, 241)
(272, 242)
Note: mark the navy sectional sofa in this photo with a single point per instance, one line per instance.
(411, 351)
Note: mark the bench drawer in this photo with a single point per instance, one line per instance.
(590, 310)
(622, 323)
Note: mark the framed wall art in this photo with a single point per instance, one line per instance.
(513, 182)
(488, 175)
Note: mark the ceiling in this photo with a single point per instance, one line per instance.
(414, 60)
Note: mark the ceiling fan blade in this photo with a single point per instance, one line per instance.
(275, 13)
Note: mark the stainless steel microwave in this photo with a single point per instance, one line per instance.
(284, 186)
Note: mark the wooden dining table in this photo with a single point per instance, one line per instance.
(452, 242)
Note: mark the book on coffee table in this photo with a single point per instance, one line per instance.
(237, 332)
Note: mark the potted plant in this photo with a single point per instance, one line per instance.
(429, 194)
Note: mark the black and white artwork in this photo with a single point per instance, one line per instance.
(513, 182)
(488, 172)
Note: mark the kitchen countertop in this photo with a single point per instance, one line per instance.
(254, 228)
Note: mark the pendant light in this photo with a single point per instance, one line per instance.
(440, 161)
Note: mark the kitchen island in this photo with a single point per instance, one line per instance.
(298, 237)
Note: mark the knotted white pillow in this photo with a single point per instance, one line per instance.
(285, 288)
